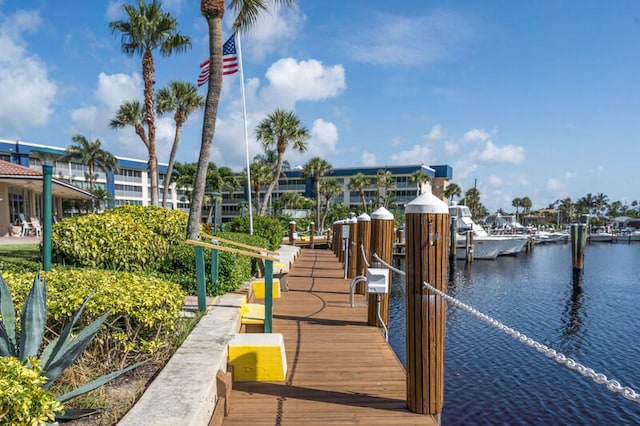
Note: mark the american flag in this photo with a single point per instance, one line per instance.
(229, 61)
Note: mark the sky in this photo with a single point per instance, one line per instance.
(521, 98)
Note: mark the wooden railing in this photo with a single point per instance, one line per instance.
(246, 250)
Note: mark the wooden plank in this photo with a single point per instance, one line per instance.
(341, 371)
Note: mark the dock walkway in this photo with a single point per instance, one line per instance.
(341, 371)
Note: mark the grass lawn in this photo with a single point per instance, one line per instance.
(18, 252)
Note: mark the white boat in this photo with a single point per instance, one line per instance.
(549, 237)
(485, 246)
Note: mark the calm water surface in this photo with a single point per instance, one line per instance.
(490, 378)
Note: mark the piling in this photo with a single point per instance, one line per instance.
(427, 257)
(453, 231)
(364, 246)
(382, 237)
(292, 232)
(352, 249)
(578, 246)
(469, 247)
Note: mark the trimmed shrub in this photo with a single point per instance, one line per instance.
(108, 241)
(266, 227)
(23, 401)
(142, 309)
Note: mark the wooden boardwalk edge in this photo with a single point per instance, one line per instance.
(340, 370)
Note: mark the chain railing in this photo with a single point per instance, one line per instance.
(599, 378)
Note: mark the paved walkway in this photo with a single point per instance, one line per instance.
(341, 371)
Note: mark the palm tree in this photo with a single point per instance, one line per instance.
(525, 203)
(149, 28)
(329, 188)
(260, 176)
(184, 177)
(316, 168)
(453, 190)
(419, 178)
(359, 183)
(517, 203)
(181, 98)
(384, 181)
(601, 201)
(131, 113)
(278, 129)
(92, 155)
(568, 209)
(247, 13)
(270, 158)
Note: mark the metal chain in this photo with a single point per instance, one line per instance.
(599, 378)
(388, 266)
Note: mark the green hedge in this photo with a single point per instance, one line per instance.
(263, 226)
(143, 309)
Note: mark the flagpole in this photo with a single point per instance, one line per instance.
(246, 133)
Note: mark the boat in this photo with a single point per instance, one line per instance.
(485, 246)
(550, 237)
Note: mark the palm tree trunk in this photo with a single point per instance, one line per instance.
(149, 95)
(317, 179)
(208, 126)
(276, 176)
(364, 201)
(172, 159)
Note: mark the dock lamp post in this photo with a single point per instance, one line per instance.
(48, 158)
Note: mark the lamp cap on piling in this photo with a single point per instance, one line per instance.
(426, 203)
(351, 220)
(382, 214)
(364, 218)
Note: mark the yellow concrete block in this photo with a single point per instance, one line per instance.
(258, 357)
(252, 313)
(279, 266)
(257, 287)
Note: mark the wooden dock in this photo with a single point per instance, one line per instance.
(340, 371)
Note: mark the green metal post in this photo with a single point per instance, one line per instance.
(47, 196)
(215, 268)
(201, 287)
(216, 198)
(268, 296)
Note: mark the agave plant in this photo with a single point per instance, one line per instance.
(61, 352)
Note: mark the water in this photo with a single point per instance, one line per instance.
(490, 378)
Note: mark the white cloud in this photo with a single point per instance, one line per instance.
(570, 175)
(410, 40)
(271, 31)
(368, 159)
(93, 120)
(451, 147)
(435, 134)
(397, 141)
(114, 10)
(27, 90)
(291, 81)
(506, 154)
(475, 135)
(417, 154)
(324, 137)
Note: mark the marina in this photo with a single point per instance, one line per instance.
(490, 378)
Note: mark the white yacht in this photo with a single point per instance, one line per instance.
(485, 246)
